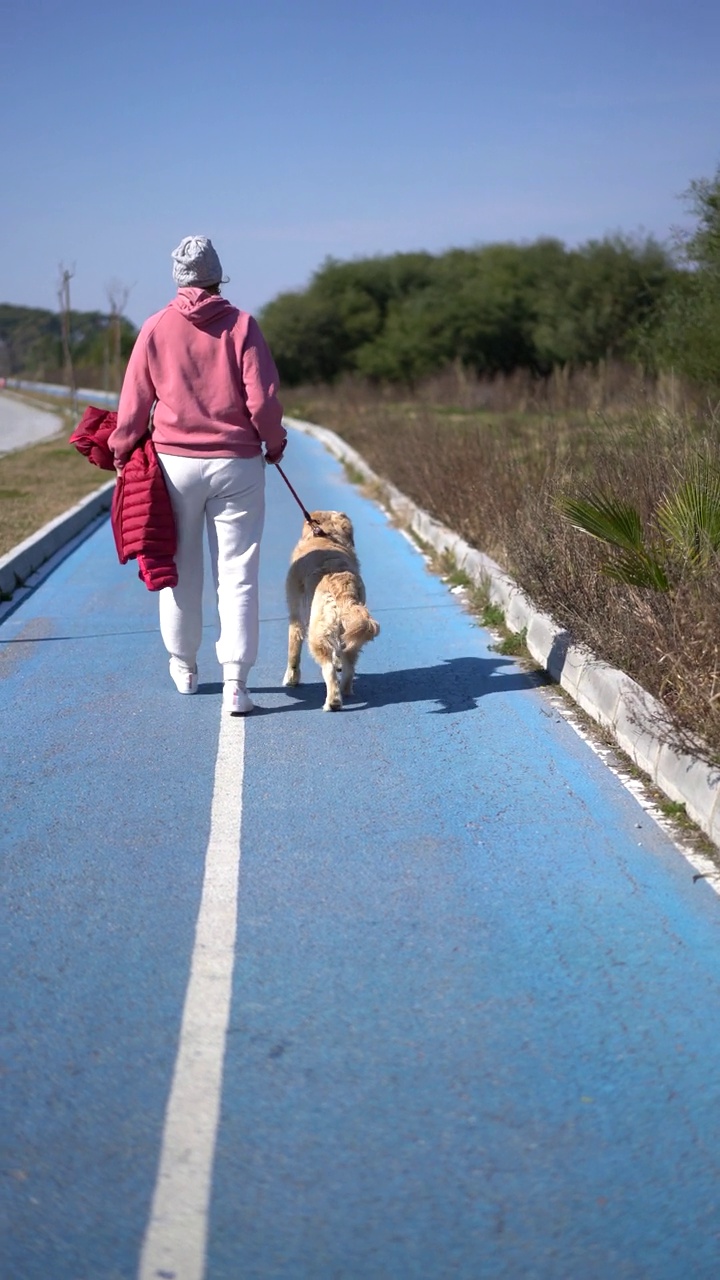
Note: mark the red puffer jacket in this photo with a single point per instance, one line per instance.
(141, 514)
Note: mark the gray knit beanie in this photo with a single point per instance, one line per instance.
(195, 262)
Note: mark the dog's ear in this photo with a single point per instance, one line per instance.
(345, 528)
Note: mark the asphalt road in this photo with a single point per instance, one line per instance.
(21, 424)
(414, 990)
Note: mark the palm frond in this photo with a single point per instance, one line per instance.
(689, 518)
(610, 520)
(637, 571)
(618, 525)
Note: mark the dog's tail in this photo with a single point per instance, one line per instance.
(358, 628)
(336, 630)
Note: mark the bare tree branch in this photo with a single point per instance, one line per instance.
(117, 294)
(66, 275)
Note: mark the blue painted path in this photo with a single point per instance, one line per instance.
(473, 1029)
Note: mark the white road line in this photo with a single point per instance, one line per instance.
(176, 1234)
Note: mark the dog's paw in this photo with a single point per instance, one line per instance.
(292, 676)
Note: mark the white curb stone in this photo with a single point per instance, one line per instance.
(576, 659)
(22, 561)
(519, 611)
(599, 689)
(690, 782)
(545, 641)
(632, 726)
(609, 696)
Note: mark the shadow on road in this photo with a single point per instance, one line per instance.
(456, 684)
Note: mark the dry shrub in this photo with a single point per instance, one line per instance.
(493, 474)
(668, 642)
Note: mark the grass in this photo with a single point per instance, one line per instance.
(492, 616)
(513, 644)
(459, 578)
(42, 482)
(352, 474)
(673, 809)
(446, 565)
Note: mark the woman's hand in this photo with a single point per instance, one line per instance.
(274, 455)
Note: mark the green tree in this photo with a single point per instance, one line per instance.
(602, 302)
(473, 308)
(494, 308)
(303, 338)
(691, 334)
(315, 335)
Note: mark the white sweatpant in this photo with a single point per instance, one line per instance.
(228, 496)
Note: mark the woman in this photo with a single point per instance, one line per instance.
(205, 371)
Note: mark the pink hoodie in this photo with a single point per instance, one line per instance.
(210, 370)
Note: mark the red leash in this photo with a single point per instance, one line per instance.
(317, 531)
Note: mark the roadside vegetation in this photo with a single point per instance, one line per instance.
(499, 476)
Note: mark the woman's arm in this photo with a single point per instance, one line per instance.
(136, 400)
(260, 378)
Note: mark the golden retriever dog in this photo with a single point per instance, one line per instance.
(326, 602)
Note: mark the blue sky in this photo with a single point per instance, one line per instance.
(293, 131)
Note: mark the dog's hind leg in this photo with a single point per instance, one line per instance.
(333, 701)
(295, 639)
(347, 673)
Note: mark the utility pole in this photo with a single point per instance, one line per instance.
(64, 299)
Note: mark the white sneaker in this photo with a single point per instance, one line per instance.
(235, 698)
(186, 681)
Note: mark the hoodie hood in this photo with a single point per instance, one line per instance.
(200, 307)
